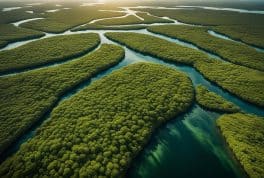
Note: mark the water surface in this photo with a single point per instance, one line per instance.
(225, 37)
(226, 9)
(24, 21)
(189, 145)
(10, 8)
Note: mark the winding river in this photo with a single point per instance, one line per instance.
(203, 7)
(189, 145)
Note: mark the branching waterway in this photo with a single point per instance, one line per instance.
(225, 9)
(187, 146)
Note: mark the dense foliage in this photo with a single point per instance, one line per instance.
(102, 27)
(131, 19)
(209, 17)
(48, 50)
(98, 131)
(246, 83)
(27, 97)
(243, 26)
(14, 16)
(148, 18)
(234, 52)
(65, 19)
(9, 33)
(246, 33)
(241, 81)
(245, 136)
(212, 101)
(157, 47)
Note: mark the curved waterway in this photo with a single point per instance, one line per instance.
(225, 37)
(187, 146)
(24, 21)
(225, 9)
(100, 32)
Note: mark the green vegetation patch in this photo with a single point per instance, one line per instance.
(60, 21)
(10, 33)
(102, 27)
(15, 15)
(209, 17)
(245, 135)
(234, 52)
(131, 19)
(101, 129)
(27, 97)
(244, 82)
(247, 33)
(157, 47)
(148, 18)
(212, 101)
(246, 27)
(46, 51)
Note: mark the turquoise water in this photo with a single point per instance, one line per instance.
(188, 146)
(219, 35)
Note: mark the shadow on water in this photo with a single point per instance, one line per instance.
(197, 79)
(188, 146)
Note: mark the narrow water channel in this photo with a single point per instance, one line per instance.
(225, 9)
(225, 37)
(100, 32)
(24, 21)
(183, 43)
(188, 146)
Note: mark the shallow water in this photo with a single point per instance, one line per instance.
(189, 145)
(133, 57)
(222, 36)
(159, 7)
(30, 12)
(196, 77)
(126, 10)
(52, 10)
(24, 21)
(97, 20)
(201, 7)
(34, 4)
(225, 9)
(91, 4)
(10, 8)
(143, 31)
(183, 43)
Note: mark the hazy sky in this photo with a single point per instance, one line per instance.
(134, 0)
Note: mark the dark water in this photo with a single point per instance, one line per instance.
(222, 36)
(189, 146)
